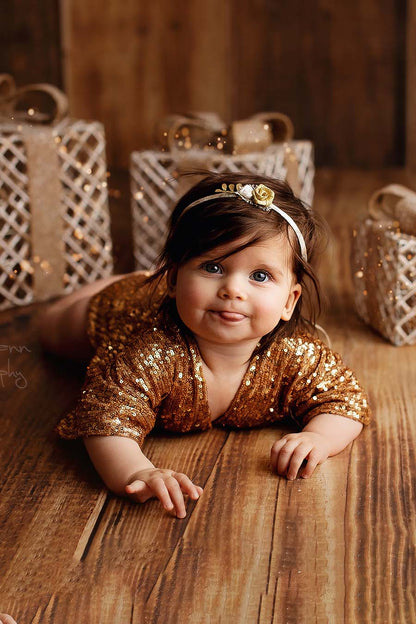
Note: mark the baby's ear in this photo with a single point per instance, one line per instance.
(291, 302)
(171, 282)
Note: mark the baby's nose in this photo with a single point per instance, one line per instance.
(231, 289)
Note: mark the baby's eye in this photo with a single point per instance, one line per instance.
(211, 267)
(260, 276)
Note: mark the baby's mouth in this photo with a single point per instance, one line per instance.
(227, 315)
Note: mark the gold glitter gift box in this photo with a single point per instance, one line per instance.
(383, 263)
(262, 144)
(54, 216)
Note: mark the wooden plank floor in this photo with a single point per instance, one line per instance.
(337, 549)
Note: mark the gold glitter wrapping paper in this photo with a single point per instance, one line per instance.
(144, 376)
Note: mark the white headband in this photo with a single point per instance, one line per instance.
(257, 195)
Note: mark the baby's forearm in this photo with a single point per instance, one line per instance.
(338, 430)
(116, 460)
(126, 471)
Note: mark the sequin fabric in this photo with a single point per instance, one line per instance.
(145, 376)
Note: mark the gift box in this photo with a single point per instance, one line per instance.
(54, 216)
(262, 144)
(383, 263)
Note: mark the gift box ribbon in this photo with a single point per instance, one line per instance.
(23, 104)
(394, 206)
(213, 138)
(209, 131)
(43, 173)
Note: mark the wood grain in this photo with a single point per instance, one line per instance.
(335, 68)
(411, 86)
(338, 549)
(30, 36)
(338, 69)
(147, 59)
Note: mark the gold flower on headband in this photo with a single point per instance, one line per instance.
(262, 195)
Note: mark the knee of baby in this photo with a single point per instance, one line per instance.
(47, 328)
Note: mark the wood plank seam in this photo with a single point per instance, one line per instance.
(266, 593)
(91, 527)
(189, 516)
(346, 528)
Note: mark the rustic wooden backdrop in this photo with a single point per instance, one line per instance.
(337, 68)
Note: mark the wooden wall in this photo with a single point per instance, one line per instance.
(30, 40)
(411, 87)
(337, 68)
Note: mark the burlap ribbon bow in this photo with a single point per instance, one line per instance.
(34, 103)
(32, 111)
(213, 138)
(394, 206)
(209, 131)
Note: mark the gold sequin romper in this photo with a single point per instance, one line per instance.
(146, 375)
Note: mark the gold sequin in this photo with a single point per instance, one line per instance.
(143, 376)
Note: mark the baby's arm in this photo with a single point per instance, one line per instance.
(126, 470)
(325, 435)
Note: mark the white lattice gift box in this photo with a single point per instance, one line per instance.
(154, 173)
(54, 216)
(383, 263)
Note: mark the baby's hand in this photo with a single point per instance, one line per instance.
(168, 486)
(292, 450)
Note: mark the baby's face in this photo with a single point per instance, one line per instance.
(239, 298)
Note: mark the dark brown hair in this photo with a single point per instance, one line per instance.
(218, 222)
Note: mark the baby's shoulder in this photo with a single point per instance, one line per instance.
(303, 351)
(123, 309)
(300, 344)
(158, 343)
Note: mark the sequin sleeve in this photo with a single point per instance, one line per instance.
(122, 393)
(322, 384)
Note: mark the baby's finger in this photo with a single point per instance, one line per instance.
(297, 459)
(186, 485)
(176, 496)
(162, 492)
(313, 460)
(285, 456)
(139, 491)
(275, 452)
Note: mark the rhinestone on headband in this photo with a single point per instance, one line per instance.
(257, 195)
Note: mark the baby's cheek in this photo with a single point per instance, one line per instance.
(268, 320)
(187, 303)
(188, 310)
(272, 311)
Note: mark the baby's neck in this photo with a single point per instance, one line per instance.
(224, 367)
(219, 357)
